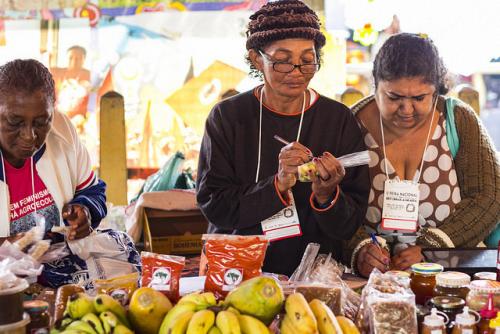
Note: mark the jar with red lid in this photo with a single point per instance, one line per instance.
(423, 280)
(40, 317)
(452, 284)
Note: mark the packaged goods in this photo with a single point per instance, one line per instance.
(452, 284)
(39, 316)
(388, 305)
(330, 295)
(423, 280)
(477, 298)
(120, 288)
(232, 259)
(434, 323)
(162, 273)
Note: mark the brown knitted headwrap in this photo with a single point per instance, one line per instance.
(281, 20)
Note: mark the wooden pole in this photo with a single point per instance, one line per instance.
(113, 153)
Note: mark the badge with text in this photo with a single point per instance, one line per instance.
(400, 210)
(284, 224)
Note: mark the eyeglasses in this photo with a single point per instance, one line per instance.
(283, 67)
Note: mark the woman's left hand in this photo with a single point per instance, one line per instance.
(407, 257)
(330, 173)
(78, 217)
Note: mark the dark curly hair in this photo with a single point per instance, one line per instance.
(26, 76)
(281, 20)
(407, 55)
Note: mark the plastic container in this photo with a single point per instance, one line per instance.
(451, 306)
(487, 313)
(452, 284)
(465, 323)
(423, 280)
(477, 298)
(434, 323)
(11, 303)
(38, 311)
(18, 327)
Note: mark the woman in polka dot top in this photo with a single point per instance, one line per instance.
(459, 201)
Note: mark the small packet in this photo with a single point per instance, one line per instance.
(120, 288)
(232, 259)
(304, 169)
(355, 159)
(162, 273)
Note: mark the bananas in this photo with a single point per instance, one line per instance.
(180, 324)
(298, 318)
(81, 326)
(103, 303)
(172, 315)
(251, 325)
(227, 323)
(94, 322)
(201, 322)
(327, 323)
(214, 330)
(79, 305)
(201, 300)
(347, 326)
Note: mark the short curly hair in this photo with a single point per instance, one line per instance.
(281, 20)
(26, 76)
(408, 55)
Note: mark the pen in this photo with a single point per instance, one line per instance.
(375, 242)
(283, 141)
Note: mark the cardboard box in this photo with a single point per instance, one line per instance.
(174, 232)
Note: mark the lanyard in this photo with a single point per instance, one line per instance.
(260, 129)
(425, 148)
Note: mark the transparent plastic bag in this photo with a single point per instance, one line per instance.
(388, 305)
(355, 159)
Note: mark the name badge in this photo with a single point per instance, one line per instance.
(284, 224)
(400, 210)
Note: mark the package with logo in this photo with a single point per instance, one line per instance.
(389, 305)
(120, 288)
(232, 259)
(162, 273)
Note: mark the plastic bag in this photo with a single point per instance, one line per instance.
(355, 159)
(388, 305)
(107, 253)
(319, 276)
(162, 273)
(18, 262)
(232, 259)
(185, 180)
(166, 177)
(120, 288)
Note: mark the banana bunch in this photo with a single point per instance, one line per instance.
(99, 315)
(199, 313)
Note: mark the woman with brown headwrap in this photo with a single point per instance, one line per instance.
(247, 181)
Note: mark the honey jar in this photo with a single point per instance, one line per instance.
(423, 280)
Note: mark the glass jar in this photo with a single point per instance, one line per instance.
(452, 284)
(423, 280)
(477, 298)
(40, 317)
(451, 306)
(485, 275)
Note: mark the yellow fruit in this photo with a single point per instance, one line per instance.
(300, 314)
(202, 300)
(227, 322)
(180, 323)
(286, 326)
(214, 330)
(251, 325)
(327, 324)
(173, 313)
(147, 309)
(347, 326)
(103, 303)
(261, 297)
(201, 322)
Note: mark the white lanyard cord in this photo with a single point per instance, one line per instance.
(425, 148)
(260, 129)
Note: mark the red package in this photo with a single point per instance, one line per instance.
(232, 259)
(162, 273)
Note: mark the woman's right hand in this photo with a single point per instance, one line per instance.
(371, 256)
(291, 156)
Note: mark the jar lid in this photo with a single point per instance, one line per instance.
(35, 306)
(398, 273)
(485, 275)
(485, 286)
(452, 279)
(427, 268)
(444, 302)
